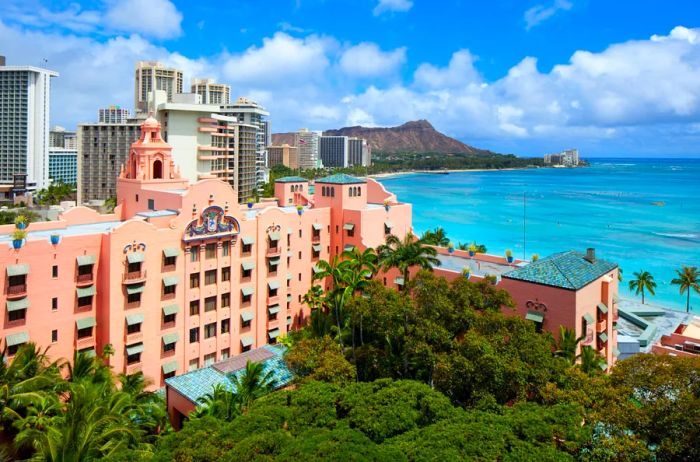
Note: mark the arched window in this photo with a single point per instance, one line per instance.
(359, 191)
(157, 169)
(332, 192)
(301, 187)
(350, 191)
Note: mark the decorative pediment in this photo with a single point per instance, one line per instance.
(212, 223)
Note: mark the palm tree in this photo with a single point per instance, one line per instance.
(253, 383)
(688, 278)
(438, 237)
(642, 280)
(406, 254)
(591, 361)
(567, 346)
(362, 260)
(478, 248)
(222, 403)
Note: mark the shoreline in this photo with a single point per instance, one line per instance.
(442, 172)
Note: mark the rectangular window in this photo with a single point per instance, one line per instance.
(209, 359)
(134, 267)
(300, 233)
(84, 333)
(134, 328)
(194, 280)
(210, 251)
(87, 301)
(246, 273)
(17, 315)
(194, 253)
(271, 316)
(194, 307)
(151, 204)
(226, 274)
(210, 277)
(247, 248)
(210, 330)
(54, 336)
(194, 335)
(225, 248)
(169, 261)
(225, 300)
(169, 347)
(54, 271)
(225, 353)
(169, 290)
(54, 304)
(271, 292)
(168, 318)
(225, 326)
(130, 298)
(210, 303)
(194, 365)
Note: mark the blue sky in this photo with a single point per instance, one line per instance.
(614, 78)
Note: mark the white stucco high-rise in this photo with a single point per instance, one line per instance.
(307, 143)
(25, 96)
(153, 75)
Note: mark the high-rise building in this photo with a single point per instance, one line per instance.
(60, 138)
(63, 165)
(283, 155)
(25, 96)
(307, 142)
(251, 113)
(334, 151)
(102, 149)
(359, 152)
(211, 92)
(113, 115)
(153, 75)
(225, 146)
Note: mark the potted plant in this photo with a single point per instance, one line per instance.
(466, 272)
(509, 256)
(450, 247)
(535, 257)
(55, 238)
(387, 205)
(251, 201)
(300, 209)
(472, 249)
(18, 237)
(20, 222)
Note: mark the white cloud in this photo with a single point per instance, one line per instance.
(367, 60)
(540, 13)
(154, 18)
(385, 6)
(460, 71)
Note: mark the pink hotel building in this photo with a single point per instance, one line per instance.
(180, 276)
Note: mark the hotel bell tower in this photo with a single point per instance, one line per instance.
(150, 157)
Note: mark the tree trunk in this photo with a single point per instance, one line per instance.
(642, 295)
(687, 303)
(405, 330)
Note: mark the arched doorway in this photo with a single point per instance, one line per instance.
(157, 169)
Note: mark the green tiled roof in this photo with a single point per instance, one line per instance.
(568, 270)
(341, 178)
(194, 385)
(291, 179)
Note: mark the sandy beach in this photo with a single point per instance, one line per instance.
(442, 172)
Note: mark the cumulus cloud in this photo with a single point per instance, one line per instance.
(155, 18)
(385, 6)
(459, 72)
(367, 60)
(540, 13)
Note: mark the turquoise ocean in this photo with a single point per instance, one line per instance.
(643, 214)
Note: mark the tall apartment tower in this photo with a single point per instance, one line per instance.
(211, 92)
(307, 143)
(249, 112)
(283, 155)
(113, 115)
(102, 149)
(334, 151)
(63, 156)
(25, 96)
(359, 152)
(153, 75)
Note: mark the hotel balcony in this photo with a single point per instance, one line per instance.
(134, 277)
(274, 251)
(17, 291)
(132, 368)
(85, 342)
(84, 279)
(602, 326)
(136, 337)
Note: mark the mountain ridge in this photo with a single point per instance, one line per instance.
(416, 136)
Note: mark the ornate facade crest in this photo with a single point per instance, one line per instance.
(135, 247)
(535, 305)
(213, 222)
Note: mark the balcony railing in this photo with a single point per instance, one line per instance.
(316, 238)
(17, 291)
(85, 342)
(132, 368)
(274, 250)
(85, 279)
(601, 326)
(134, 276)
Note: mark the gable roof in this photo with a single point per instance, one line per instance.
(341, 178)
(568, 270)
(291, 179)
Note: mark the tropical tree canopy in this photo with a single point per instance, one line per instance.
(687, 279)
(641, 281)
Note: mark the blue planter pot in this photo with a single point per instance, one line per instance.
(250, 205)
(471, 253)
(300, 212)
(386, 207)
(451, 249)
(510, 259)
(17, 244)
(20, 225)
(55, 239)
(466, 275)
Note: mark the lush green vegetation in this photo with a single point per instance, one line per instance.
(8, 217)
(434, 371)
(55, 193)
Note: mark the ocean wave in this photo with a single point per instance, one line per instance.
(683, 236)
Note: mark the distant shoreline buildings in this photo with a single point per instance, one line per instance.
(313, 149)
(567, 158)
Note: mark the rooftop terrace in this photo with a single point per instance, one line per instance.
(477, 267)
(75, 230)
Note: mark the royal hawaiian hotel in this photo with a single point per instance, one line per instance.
(181, 276)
